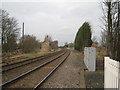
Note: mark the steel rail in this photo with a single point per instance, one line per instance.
(40, 58)
(30, 71)
(48, 75)
(28, 59)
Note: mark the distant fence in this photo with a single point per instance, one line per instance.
(111, 74)
(90, 58)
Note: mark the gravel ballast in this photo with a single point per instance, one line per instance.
(67, 75)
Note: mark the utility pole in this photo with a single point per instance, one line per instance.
(23, 30)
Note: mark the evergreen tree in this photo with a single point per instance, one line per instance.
(83, 37)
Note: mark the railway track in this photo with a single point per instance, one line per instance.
(25, 62)
(12, 73)
(36, 76)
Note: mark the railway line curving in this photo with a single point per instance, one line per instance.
(35, 77)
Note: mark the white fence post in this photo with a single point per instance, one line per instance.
(111, 74)
(90, 58)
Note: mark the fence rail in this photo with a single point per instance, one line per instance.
(111, 74)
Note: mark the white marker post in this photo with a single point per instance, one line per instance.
(90, 58)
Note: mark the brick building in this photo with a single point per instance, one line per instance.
(49, 45)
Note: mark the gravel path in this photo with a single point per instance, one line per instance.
(67, 75)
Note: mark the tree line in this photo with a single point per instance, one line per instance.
(10, 36)
(83, 37)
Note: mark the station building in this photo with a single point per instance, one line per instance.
(48, 45)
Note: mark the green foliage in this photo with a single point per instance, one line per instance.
(77, 39)
(66, 44)
(83, 37)
(29, 44)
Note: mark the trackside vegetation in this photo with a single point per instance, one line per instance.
(83, 37)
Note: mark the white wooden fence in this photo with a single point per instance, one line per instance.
(90, 58)
(111, 74)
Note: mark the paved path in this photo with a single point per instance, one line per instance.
(68, 74)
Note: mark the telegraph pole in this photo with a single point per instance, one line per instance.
(23, 30)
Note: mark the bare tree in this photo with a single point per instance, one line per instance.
(112, 27)
(10, 32)
(103, 38)
(94, 40)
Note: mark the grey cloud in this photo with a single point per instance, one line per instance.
(60, 20)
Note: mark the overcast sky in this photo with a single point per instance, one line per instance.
(61, 20)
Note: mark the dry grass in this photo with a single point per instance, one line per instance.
(22, 57)
(101, 53)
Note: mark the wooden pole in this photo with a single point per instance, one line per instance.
(23, 31)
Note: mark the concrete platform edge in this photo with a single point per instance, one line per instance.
(82, 79)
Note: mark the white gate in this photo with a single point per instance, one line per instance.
(111, 74)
